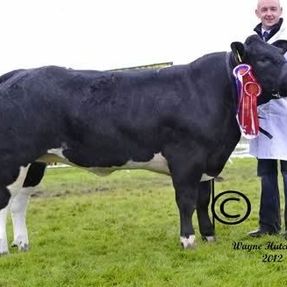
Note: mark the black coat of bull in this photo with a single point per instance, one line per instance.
(105, 119)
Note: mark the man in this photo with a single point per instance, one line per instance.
(270, 148)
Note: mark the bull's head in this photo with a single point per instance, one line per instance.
(268, 63)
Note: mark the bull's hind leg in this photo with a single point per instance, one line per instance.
(3, 235)
(18, 208)
(205, 226)
(4, 206)
(19, 204)
(5, 195)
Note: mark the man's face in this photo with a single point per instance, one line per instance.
(269, 12)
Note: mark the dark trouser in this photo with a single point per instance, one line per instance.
(269, 214)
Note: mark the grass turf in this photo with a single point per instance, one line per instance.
(122, 230)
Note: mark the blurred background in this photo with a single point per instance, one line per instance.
(111, 34)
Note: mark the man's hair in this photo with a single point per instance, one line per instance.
(259, 2)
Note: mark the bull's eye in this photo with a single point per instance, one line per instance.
(269, 61)
(264, 62)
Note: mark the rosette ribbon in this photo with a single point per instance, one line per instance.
(248, 90)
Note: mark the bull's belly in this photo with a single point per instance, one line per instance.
(157, 164)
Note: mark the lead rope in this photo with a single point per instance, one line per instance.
(212, 187)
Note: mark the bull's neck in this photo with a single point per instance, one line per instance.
(230, 65)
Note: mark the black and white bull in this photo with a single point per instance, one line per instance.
(179, 120)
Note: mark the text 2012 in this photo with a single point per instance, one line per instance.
(272, 258)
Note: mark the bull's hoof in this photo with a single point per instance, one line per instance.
(22, 246)
(188, 242)
(208, 239)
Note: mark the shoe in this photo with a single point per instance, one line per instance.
(261, 232)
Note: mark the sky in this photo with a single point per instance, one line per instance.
(109, 34)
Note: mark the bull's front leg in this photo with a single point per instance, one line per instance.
(186, 189)
(185, 165)
(186, 202)
(18, 209)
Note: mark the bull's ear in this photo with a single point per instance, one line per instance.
(238, 51)
(282, 44)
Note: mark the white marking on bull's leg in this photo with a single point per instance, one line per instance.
(209, 239)
(18, 213)
(13, 188)
(3, 235)
(188, 242)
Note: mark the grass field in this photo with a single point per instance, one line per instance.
(122, 230)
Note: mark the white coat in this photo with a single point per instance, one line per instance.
(273, 119)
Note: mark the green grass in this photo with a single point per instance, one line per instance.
(122, 230)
